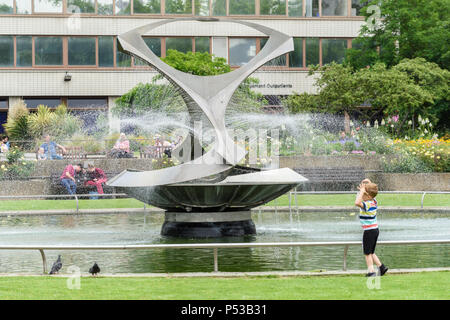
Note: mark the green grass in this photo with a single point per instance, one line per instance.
(427, 285)
(431, 200)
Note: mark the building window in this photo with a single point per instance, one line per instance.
(273, 7)
(201, 7)
(296, 56)
(147, 6)
(312, 51)
(106, 51)
(179, 6)
(334, 8)
(33, 103)
(220, 47)
(105, 7)
(48, 6)
(242, 7)
(357, 5)
(81, 51)
(242, 50)
(219, 7)
(312, 8)
(295, 8)
(333, 50)
(6, 6)
(6, 51)
(24, 51)
(179, 44)
(23, 7)
(123, 60)
(48, 51)
(123, 7)
(202, 44)
(154, 44)
(81, 6)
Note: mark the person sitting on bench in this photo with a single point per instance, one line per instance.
(96, 177)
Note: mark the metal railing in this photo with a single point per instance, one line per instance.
(423, 193)
(214, 247)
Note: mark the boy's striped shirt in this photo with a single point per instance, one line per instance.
(368, 215)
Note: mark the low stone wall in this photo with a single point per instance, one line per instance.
(411, 181)
(366, 162)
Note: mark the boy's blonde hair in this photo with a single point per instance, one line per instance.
(372, 189)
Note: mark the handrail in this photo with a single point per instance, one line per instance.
(213, 246)
(423, 193)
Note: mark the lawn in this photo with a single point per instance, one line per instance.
(426, 285)
(431, 200)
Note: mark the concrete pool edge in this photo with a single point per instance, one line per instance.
(306, 209)
(222, 274)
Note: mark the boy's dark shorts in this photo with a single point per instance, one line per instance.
(370, 238)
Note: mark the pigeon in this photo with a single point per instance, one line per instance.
(57, 265)
(94, 269)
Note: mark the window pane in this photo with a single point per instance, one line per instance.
(273, 7)
(85, 6)
(312, 8)
(123, 7)
(333, 50)
(295, 8)
(179, 44)
(220, 48)
(23, 6)
(242, 50)
(280, 61)
(357, 5)
(123, 59)
(147, 6)
(6, 6)
(24, 51)
(179, 6)
(33, 103)
(238, 7)
(202, 44)
(48, 6)
(48, 51)
(219, 7)
(105, 7)
(296, 57)
(155, 45)
(6, 51)
(201, 7)
(312, 51)
(82, 51)
(334, 7)
(105, 51)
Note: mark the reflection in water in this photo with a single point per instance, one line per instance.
(140, 228)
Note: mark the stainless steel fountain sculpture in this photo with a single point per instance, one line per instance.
(208, 195)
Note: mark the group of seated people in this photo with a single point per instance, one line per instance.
(4, 144)
(74, 175)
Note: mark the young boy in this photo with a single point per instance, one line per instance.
(368, 218)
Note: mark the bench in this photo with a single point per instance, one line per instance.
(332, 179)
(57, 188)
(154, 152)
(72, 153)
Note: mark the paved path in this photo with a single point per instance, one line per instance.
(347, 209)
(235, 274)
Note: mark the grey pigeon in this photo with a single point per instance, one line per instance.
(57, 265)
(94, 269)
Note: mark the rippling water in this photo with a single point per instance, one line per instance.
(140, 228)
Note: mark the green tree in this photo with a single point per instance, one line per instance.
(408, 29)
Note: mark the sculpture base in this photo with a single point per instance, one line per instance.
(208, 224)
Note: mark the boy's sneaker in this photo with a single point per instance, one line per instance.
(371, 274)
(383, 269)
